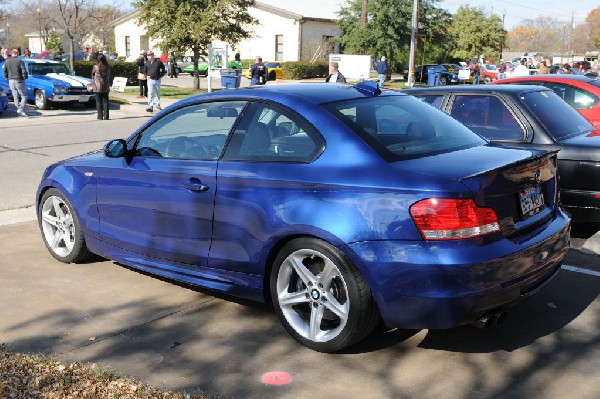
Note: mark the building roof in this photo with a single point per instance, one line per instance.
(325, 10)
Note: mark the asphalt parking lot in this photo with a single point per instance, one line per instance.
(175, 336)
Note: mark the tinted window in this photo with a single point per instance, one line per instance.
(432, 99)
(401, 127)
(271, 134)
(195, 132)
(488, 116)
(580, 99)
(560, 120)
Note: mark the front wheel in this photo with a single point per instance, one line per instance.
(61, 229)
(443, 81)
(41, 102)
(320, 296)
(487, 80)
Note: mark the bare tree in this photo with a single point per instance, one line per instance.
(74, 17)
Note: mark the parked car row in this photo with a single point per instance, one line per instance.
(526, 116)
(341, 205)
(52, 82)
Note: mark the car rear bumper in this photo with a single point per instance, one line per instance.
(447, 284)
(584, 206)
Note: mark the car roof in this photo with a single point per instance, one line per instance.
(40, 61)
(504, 88)
(312, 93)
(555, 76)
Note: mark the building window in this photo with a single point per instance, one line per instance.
(278, 47)
(127, 46)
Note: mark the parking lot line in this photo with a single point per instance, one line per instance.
(581, 270)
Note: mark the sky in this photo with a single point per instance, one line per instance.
(515, 11)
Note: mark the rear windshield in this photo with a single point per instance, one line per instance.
(561, 121)
(402, 127)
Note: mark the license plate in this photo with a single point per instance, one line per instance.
(532, 201)
(84, 99)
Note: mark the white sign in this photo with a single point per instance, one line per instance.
(119, 84)
(353, 66)
(464, 74)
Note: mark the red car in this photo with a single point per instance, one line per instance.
(581, 92)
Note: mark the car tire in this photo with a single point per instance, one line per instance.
(40, 100)
(487, 80)
(61, 229)
(443, 81)
(272, 75)
(320, 297)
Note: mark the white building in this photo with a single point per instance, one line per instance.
(290, 31)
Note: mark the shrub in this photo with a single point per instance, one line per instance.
(304, 70)
(117, 68)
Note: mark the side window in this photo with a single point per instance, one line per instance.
(577, 98)
(433, 100)
(196, 132)
(487, 116)
(271, 134)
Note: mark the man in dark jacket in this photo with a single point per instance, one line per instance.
(155, 70)
(382, 70)
(16, 74)
(335, 76)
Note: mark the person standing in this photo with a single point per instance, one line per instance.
(101, 85)
(382, 70)
(16, 74)
(154, 70)
(544, 69)
(26, 53)
(502, 70)
(521, 69)
(476, 74)
(173, 66)
(335, 76)
(258, 72)
(142, 78)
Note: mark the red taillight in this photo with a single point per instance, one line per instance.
(453, 219)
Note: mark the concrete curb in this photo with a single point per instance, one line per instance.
(19, 215)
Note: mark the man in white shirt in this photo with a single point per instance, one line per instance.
(335, 76)
(521, 70)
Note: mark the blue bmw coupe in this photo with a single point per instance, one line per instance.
(341, 205)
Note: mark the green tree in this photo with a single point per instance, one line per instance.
(182, 25)
(388, 29)
(53, 42)
(474, 34)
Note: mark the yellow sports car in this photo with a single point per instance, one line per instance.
(274, 71)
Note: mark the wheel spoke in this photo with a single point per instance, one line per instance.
(316, 315)
(56, 202)
(69, 243)
(51, 220)
(305, 275)
(329, 272)
(56, 239)
(288, 299)
(337, 308)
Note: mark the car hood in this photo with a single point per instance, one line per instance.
(64, 80)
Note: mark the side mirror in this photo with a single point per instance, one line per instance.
(115, 148)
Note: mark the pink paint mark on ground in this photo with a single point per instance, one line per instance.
(276, 378)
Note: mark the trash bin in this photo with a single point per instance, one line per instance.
(433, 77)
(230, 78)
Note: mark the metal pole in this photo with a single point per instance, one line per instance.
(413, 44)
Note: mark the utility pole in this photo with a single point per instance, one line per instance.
(413, 44)
(363, 21)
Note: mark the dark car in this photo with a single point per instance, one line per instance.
(445, 75)
(341, 205)
(581, 92)
(532, 117)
